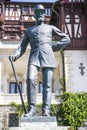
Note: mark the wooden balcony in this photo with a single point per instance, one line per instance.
(14, 29)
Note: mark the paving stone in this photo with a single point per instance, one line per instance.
(81, 128)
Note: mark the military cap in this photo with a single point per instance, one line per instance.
(39, 7)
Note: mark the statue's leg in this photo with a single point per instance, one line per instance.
(47, 85)
(31, 89)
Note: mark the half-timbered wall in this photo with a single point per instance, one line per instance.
(16, 17)
(75, 25)
(72, 19)
(68, 15)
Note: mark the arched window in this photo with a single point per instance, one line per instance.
(77, 27)
(73, 27)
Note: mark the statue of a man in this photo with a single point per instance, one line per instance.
(41, 56)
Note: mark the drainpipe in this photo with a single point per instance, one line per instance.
(63, 67)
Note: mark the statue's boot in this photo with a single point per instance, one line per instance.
(32, 112)
(46, 113)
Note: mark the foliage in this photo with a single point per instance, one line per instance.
(54, 108)
(73, 110)
(20, 108)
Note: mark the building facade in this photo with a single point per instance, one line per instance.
(68, 15)
(16, 16)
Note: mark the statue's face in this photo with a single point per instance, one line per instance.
(40, 15)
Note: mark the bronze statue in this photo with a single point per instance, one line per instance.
(41, 56)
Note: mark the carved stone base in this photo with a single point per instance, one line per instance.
(38, 121)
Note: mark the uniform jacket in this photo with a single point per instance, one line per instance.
(42, 47)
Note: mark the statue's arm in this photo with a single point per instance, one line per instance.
(62, 39)
(21, 49)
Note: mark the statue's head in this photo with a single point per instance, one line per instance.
(39, 12)
(39, 7)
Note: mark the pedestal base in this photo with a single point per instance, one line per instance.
(38, 121)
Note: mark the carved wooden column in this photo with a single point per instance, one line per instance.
(62, 16)
(3, 18)
(21, 23)
(0, 75)
(85, 6)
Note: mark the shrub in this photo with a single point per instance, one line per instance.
(73, 110)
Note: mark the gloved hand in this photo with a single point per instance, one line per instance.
(13, 58)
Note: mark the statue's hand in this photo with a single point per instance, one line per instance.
(12, 58)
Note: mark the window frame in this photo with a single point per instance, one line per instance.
(15, 89)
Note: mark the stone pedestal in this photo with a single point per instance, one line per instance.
(38, 121)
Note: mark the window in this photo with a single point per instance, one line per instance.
(32, 9)
(26, 10)
(77, 27)
(12, 12)
(68, 27)
(14, 88)
(48, 11)
(40, 87)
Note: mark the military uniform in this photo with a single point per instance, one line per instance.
(40, 38)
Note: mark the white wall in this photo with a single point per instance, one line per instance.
(74, 80)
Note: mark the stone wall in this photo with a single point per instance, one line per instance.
(7, 116)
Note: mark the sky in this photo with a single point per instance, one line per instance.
(43, 1)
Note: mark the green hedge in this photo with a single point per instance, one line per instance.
(71, 112)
